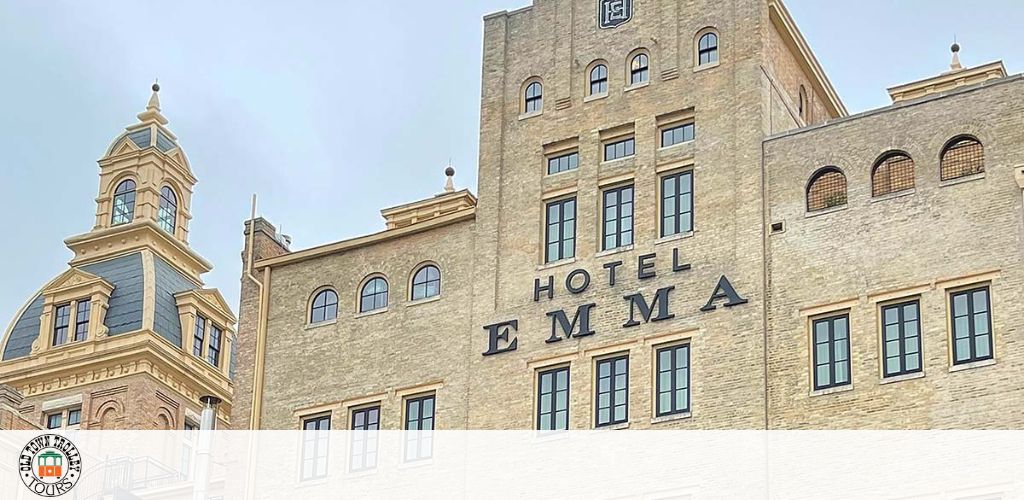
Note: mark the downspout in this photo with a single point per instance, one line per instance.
(766, 221)
(257, 368)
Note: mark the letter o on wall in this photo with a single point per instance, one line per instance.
(571, 278)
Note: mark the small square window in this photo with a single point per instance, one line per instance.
(54, 420)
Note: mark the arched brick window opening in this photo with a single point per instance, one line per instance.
(827, 189)
(893, 172)
(961, 157)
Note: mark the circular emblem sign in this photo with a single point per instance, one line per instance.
(50, 465)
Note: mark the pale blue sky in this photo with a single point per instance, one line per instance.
(329, 110)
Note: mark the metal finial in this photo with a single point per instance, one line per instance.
(156, 85)
(449, 184)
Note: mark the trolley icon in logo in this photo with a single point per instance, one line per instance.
(50, 465)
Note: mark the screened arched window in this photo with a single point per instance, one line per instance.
(639, 69)
(599, 80)
(534, 98)
(961, 157)
(325, 307)
(168, 214)
(426, 283)
(707, 49)
(374, 295)
(124, 203)
(827, 189)
(893, 172)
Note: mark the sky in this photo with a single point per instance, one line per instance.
(329, 111)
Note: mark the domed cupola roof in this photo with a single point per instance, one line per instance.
(150, 132)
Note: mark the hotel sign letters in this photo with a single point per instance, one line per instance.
(613, 13)
(654, 307)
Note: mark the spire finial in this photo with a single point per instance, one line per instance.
(955, 48)
(152, 112)
(449, 171)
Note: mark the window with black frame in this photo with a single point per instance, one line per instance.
(707, 49)
(124, 203)
(61, 320)
(677, 134)
(374, 295)
(325, 307)
(612, 391)
(673, 382)
(198, 337)
(639, 69)
(82, 311)
(534, 98)
(419, 426)
(167, 216)
(617, 217)
(831, 352)
(426, 283)
(553, 400)
(619, 149)
(563, 163)
(677, 203)
(901, 338)
(213, 350)
(972, 325)
(366, 424)
(315, 443)
(560, 235)
(599, 80)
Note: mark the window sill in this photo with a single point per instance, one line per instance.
(961, 180)
(314, 326)
(613, 251)
(613, 427)
(546, 436)
(832, 390)
(673, 237)
(533, 114)
(371, 313)
(890, 196)
(557, 263)
(595, 97)
(671, 418)
(705, 67)
(618, 160)
(416, 463)
(556, 174)
(361, 473)
(677, 145)
(901, 378)
(972, 365)
(637, 86)
(419, 302)
(826, 211)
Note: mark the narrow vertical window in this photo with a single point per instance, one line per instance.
(617, 217)
(124, 203)
(831, 352)
(561, 230)
(419, 424)
(677, 203)
(612, 391)
(82, 310)
(972, 326)
(213, 350)
(61, 319)
(168, 214)
(639, 71)
(198, 337)
(534, 98)
(599, 80)
(673, 383)
(707, 49)
(901, 338)
(553, 400)
(74, 418)
(315, 442)
(366, 423)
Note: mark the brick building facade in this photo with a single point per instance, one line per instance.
(678, 226)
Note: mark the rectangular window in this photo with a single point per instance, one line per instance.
(831, 352)
(419, 418)
(677, 203)
(612, 391)
(677, 134)
(82, 320)
(198, 337)
(61, 318)
(213, 350)
(561, 230)
(553, 400)
(54, 420)
(187, 448)
(364, 442)
(619, 149)
(673, 383)
(563, 163)
(315, 440)
(617, 217)
(972, 325)
(901, 338)
(74, 417)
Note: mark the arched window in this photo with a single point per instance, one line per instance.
(124, 203)
(599, 80)
(325, 307)
(534, 98)
(374, 295)
(168, 215)
(639, 70)
(426, 283)
(802, 105)
(893, 172)
(827, 189)
(961, 157)
(707, 49)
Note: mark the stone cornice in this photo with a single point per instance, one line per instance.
(104, 244)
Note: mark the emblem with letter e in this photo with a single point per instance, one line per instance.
(613, 13)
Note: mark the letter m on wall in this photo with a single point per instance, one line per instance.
(578, 327)
(637, 304)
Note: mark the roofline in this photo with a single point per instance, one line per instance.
(368, 240)
(780, 17)
(506, 13)
(982, 68)
(899, 105)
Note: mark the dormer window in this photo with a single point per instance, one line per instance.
(61, 319)
(198, 337)
(124, 203)
(71, 322)
(167, 218)
(213, 350)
